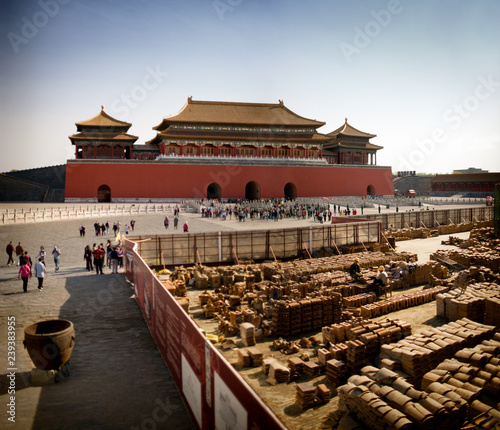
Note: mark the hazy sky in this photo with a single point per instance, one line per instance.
(424, 76)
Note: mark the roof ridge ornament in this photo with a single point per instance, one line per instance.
(346, 120)
(102, 107)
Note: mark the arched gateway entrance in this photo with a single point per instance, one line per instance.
(370, 190)
(104, 194)
(290, 191)
(213, 191)
(252, 191)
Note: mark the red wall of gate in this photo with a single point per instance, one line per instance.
(160, 180)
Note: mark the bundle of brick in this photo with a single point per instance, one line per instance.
(311, 369)
(423, 272)
(327, 309)
(256, 356)
(371, 334)
(281, 319)
(306, 315)
(305, 395)
(419, 353)
(247, 333)
(323, 356)
(323, 393)
(244, 358)
(474, 256)
(359, 300)
(492, 311)
(478, 302)
(296, 366)
(278, 373)
(405, 301)
(317, 313)
(295, 318)
(356, 355)
(336, 372)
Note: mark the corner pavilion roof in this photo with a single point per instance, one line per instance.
(102, 122)
(102, 119)
(210, 112)
(348, 130)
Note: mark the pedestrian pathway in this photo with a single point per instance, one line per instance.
(118, 378)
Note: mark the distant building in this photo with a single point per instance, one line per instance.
(476, 184)
(470, 170)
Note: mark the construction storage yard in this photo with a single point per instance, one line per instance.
(325, 351)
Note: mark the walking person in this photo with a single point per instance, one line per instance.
(26, 259)
(176, 222)
(115, 229)
(87, 256)
(19, 253)
(166, 222)
(41, 254)
(56, 253)
(186, 227)
(10, 250)
(109, 248)
(40, 272)
(114, 260)
(98, 259)
(119, 250)
(25, 274)
(132, 224)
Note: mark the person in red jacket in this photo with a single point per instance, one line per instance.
(99, 254)
(25, 274)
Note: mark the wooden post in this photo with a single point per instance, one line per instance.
(236, 256)
(452, 223)
(274, 256)
(338, 250)
(387, 240)
(199, 258)
(421, 222)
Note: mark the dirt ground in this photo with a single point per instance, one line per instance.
(281, 397)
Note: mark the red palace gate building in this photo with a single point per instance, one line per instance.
(223, 150)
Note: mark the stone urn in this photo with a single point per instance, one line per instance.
(50, 343)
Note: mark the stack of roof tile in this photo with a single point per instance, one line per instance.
(305, 395)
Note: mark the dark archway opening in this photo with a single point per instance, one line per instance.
(290, 191)
(370, 190)
(252, 191)
(104, 194)
(213, 191)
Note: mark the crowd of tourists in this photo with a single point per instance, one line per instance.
(25, 263)
(275, 210)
